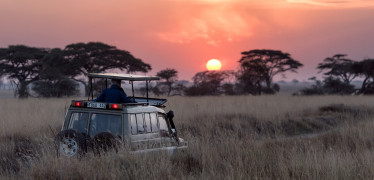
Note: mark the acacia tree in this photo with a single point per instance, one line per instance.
(365, 69)
(54, 75)
(250, 78)
(208, 83)
(338, 66)
(170, 76)
(267, 63)
(180, 87)
(96, 57)
(21, 64)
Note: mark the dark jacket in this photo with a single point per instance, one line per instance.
(114, 94)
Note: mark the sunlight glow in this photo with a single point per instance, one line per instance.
(214, 25)
(213, 65)
(349, 3)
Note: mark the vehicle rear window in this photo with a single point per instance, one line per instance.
(78, 121)
(105, 123)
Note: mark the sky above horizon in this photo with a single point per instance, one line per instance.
(185, 34)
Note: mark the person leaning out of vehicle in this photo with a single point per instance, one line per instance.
(114, 94)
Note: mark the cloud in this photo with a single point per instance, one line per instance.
(341, 3)
(213, 24)
(224, 21)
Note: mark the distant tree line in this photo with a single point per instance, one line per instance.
(255, 76)
(339, 72)
(57, 72)
(259, 67)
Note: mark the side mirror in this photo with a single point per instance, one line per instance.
(170, 114)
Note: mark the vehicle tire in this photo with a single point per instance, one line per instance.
(105, 142)
(70, 143)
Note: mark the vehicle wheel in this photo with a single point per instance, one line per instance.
(104, 142)
(70, 143)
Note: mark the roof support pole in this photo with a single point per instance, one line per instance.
(90, 81)
(106, 83)
(146, 88)
(132, 88)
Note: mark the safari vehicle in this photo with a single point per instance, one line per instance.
(142, 126)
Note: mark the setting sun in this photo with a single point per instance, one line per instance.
(213, 65)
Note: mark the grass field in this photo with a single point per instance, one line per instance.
(239, 137)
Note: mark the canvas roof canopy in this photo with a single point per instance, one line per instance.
(129, 77)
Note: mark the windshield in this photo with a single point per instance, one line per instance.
(105, 123)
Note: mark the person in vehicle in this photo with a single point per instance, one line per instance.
(114, 94)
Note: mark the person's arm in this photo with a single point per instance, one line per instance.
(125, 99)
(101, 97)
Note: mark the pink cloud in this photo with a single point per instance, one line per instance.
(214, 24)
(336, 3)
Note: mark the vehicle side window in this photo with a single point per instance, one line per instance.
(105, 123)
(78, 121)
(134, 129)
(162, 122)
(154, 122)
(147, 120)
(140, 122)
(144, 123)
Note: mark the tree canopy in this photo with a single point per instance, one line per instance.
(170, 76)
(272, 62)
(95, 57)
(365, 69)
(208, 83)
(338, 66)
(52, 70)
(54, 76)
(259, 66)
(22, 64)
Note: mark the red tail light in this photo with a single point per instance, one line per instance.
(114, 106)
(78, 103)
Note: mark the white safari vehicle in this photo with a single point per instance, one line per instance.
(142, 126)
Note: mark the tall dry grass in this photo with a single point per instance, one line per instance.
(261, 107)
(240, 137)
(30, 116)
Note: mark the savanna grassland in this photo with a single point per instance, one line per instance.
(239, 137)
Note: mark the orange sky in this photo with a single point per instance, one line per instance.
(185, 34)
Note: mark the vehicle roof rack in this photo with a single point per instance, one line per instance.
(129, 77)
